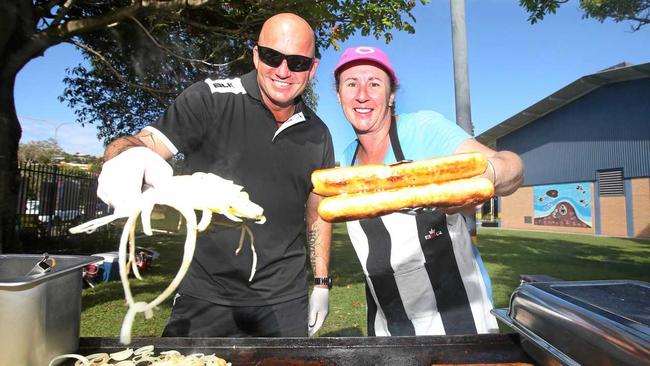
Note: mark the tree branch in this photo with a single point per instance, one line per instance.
(214, 29)
(63, 10)
(641, 23)
(73, 28)
(152, 91)
(52, 4)
(54, 34)
(172, 53)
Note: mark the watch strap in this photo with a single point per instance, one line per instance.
(323, 281)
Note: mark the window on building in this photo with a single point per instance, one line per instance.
(610, 182)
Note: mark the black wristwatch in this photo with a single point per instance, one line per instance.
(323, 281)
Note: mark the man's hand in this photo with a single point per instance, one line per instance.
(319, 304)
(120, 181)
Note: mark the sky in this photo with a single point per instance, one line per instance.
(512, 65)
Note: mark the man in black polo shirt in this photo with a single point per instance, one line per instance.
(256, 131)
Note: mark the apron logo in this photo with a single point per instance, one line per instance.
(433, 233)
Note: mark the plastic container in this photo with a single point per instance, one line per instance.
(110, 269)
(39, 313)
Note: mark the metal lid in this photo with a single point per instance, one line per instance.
(585, 322)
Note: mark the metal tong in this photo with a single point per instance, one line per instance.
(43, 266)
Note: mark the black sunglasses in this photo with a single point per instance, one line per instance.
(274, 58)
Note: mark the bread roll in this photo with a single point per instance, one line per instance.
(375, 177)
(355, 206)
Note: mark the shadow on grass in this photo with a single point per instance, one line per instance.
(344, 265)
(344, 332)
(507, 255)
(154, 279)
(108, 292)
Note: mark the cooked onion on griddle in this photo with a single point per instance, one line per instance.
(144, 356)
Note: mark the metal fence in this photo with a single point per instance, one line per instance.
(52, 199)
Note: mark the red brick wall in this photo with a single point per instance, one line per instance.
(515, 207)
(612, 216)
(641, 207)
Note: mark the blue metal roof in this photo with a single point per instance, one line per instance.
(607, 129)
(564, 96)
(598, 122)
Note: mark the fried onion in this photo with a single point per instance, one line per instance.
(199, 191)
(146, 356)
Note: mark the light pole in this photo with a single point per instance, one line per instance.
(56, 130)
(461, 84)
(461, 69)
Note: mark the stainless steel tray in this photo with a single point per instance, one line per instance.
(582, 323)
(40, 306)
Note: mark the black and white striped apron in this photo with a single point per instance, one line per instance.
(422, 274)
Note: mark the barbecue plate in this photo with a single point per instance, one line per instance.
(583, 322)
(329, 351)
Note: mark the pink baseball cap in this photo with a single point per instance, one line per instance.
(368, 53)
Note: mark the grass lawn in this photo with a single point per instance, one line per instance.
(509, 253)
(506, 254)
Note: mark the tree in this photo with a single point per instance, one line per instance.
(636, 11)
(43, 152)
(120, 38)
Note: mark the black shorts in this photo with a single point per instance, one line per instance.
(192, 317)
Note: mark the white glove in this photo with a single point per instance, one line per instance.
(121, 178)
(319, 303)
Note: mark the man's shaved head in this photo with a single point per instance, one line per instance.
(288, 33)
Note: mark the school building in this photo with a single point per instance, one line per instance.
(586, 153)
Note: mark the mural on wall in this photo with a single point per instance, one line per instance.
(563, 204)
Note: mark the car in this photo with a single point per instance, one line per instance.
(32, 207)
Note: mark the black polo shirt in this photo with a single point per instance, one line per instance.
(223, 127)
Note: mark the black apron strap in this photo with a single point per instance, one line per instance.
(394, 140)
(356, 151)
(394, 143)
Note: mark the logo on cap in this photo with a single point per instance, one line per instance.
(364, 50)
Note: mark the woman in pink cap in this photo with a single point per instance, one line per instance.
(423, 274)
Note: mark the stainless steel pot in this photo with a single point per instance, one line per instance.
(40, 307)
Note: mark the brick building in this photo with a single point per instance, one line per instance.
(586, 151)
